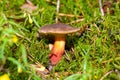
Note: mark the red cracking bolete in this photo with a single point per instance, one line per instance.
(59, 30)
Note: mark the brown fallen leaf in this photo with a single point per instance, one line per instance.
(40, 69)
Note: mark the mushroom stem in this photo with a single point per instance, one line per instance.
(58, 49)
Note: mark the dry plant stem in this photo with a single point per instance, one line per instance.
(29, 78)
(32, 59)
(57, 11)
(76, 21)
(97, 28)
(102, 78)
(69, 15)
(23, 37)
(101, 9)
(57, 50)
(83, 29)
(39, 68)
(110, 60)
(67, 57)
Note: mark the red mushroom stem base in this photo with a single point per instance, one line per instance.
(58, 49)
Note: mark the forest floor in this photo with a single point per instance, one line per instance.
(92, 54)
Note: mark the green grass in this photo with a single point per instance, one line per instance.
(95, 53)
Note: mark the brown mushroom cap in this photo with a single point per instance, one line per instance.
(58, 28)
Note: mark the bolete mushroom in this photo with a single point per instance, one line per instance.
(59, 30)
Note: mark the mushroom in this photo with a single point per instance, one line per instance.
(59, 30)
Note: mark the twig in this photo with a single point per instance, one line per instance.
(57, 10)
(101, 9)
(102, 78)
(69, 15)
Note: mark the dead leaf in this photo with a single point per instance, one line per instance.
(40, 69)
